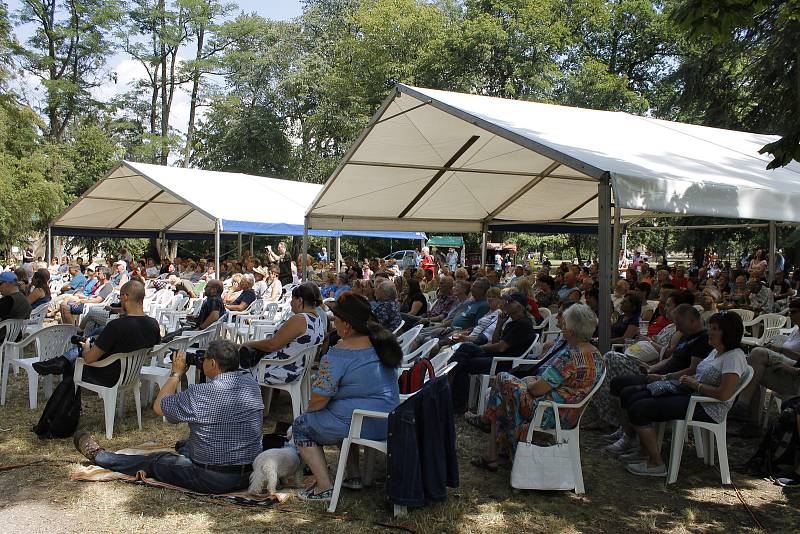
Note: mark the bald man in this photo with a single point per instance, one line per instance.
(212, 309)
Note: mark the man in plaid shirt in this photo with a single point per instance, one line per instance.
(225, 422)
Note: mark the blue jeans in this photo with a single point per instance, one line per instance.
(177, 470)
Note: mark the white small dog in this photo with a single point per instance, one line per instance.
(274, 465)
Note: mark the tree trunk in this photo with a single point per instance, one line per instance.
(164, 152)
(195, 90)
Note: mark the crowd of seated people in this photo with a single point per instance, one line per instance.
(662, 341)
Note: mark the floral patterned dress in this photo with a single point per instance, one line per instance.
(286, 374)
(572, 374)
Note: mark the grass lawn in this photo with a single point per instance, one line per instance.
(40, 497)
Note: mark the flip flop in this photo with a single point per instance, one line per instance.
(482, 463)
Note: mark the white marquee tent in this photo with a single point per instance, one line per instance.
(454, 162)
(142, 200)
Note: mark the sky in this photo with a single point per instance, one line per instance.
(127, 70)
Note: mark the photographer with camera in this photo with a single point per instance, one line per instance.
(225, 423)
(129, 332)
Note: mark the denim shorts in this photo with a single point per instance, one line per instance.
(310, 430)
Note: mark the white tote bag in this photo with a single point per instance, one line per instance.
(542, 468)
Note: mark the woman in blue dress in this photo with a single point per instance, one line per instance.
(359, 372)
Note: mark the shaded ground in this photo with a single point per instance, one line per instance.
(40, 498)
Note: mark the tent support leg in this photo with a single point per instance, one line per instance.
(483, 249)
(239, 243)
(604, 241)
(773, 250)
(617, 244)
(252, 238)
(338, 254)
(304, 257)
(49, 247)
(216, 247)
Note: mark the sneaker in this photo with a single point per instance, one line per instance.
(86, 445)
(623, 445)
(309, 495)
(614, 436)
(353, 483)
(642, 469)
(788, 482)
(633, 457)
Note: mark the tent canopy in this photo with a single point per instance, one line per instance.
(453, 162)
(142, 200)
(445, 241)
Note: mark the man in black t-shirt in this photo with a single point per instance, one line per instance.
(512, 336)
(212, 309)
(130, 332)
(13, 304)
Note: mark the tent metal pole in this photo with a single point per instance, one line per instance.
(617, 243)
(252, 238)
(239, 242)
(216, 247)
(606, 261)
(483, 248)
(49, 247)
(338, 254)
(304, 258)
(773, 250)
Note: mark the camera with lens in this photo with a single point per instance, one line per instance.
(78, 340)
(192, 358)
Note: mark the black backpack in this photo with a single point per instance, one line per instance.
(780, 444)
(61, 413)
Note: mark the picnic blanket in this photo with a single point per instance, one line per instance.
(94, 473)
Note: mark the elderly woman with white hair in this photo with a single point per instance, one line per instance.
(386, 306)
(567, 379)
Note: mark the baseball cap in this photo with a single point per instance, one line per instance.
(517, 297)
(8, 276)
(121, 262)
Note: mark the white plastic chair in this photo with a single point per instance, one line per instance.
(399, 327)
(244, 329)
(50, 342)
(36, 320)
(771, 327)
(177, 303)
(407, 338)
(570, 437)
(110, 299)
(171, 318)
(230, 325)
(295, 389)
(354, 439)
(708, 434)
(157, 372)
(746, 315)
(129, 378)
(11, 329)
(159, 299)
(422, 352)
(479, 385)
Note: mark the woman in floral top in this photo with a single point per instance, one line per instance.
(568, 378)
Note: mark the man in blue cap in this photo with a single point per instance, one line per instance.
(13, 304)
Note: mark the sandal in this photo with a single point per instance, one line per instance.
(482, 463)
(309, 495)
(478, 421)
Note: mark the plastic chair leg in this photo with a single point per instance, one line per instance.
(297, 402)
(267, 399)
(137, 398)
(337, 485)
(699, 447)
(709, 436)
(577, 471)
(722, 452)
(33, 387)
(6, 370)
(676, 450)
(109, 405)
(483, 385)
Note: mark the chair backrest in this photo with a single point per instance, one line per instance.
(204, 338)
(545, 313)
(37, 314)
(12, 328)
(196, 304)
(773, 320)
(159, 351)
(270, 309)
(421, 352)
(408, 337)
(531, 352)
(53, 341)
(746, 315)
(439, 361)
(130, 366)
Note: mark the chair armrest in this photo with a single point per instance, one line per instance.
(693, 402)
(515, 362)
(358, 420)
(755, 321)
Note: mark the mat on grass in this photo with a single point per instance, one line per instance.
(94, 473)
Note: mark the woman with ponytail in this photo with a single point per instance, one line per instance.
(359, 372)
